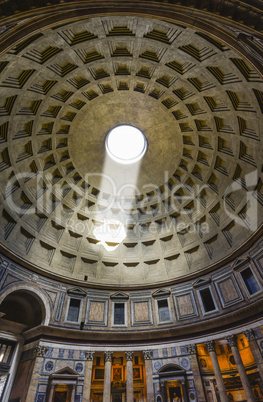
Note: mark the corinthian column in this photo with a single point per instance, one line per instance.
(88, 374)
(148, 355)
(129, 381)
(107, 376)
(217, 371)
(255, 350)
(39, 354)
(241, 369)
(192, 351)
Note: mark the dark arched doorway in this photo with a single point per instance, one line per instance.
(22, 307)
(20, 310)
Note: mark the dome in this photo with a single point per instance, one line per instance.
(131, 251)
(193, 199)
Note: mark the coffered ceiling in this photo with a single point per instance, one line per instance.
(195, 198)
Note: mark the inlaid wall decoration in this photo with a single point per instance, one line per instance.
(141, 311)
(97, 310)
(185, 305)
(228, 289)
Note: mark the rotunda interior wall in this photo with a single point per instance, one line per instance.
(211, 300)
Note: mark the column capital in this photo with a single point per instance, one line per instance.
(129, 355)
(231, 340)
(211, 346)
(147, 354)
(40, 351)
(249, 334)
(108, 355)
(191, 349)
(89, 355)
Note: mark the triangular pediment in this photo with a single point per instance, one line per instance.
(201, 282)
(120, 295)
(161, 292)
(77, 292)
(65, 371)
(240, 261)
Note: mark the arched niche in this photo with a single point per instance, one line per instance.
(25, 306)
(62, 385)
(173, 383)
(171, 368)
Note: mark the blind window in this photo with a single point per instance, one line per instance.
(73, 311)
(250, 281)
(207, 300)
(119, 314)
(163, 309)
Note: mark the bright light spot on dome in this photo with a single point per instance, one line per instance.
(126, 144)
(110, 234)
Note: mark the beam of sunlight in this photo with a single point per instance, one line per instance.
(119, 179)
(110, 233)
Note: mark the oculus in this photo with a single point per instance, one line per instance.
(126, 144)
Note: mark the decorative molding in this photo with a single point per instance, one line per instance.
(129, 355)
(161, 293)
(119, 296)
(211, 346)
(60, 307)
(76, 292)
(147, 354)
(249, 334)
(239, 262)
(40, 351)
(257, 258)
(89, 355)
(252, 45)
(9, 279)
(65, 373)
(201, 282)
(52, 295)
(191, 349)
(231, 340)
(108, 355)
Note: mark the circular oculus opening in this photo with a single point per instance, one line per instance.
(126, 144)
